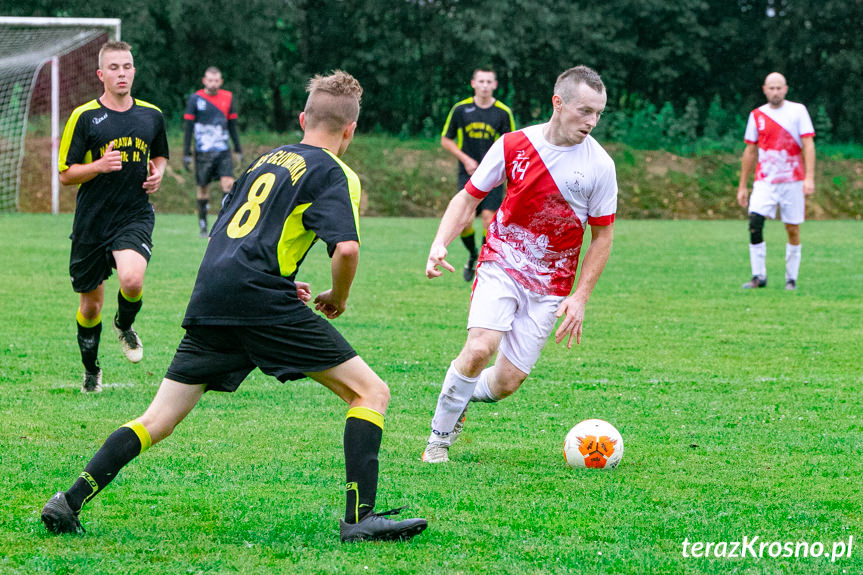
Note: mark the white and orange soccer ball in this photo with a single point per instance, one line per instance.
(594, 444)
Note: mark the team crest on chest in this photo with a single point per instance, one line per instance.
(575, 183)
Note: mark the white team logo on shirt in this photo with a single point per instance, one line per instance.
(574, 186)
(202, 104)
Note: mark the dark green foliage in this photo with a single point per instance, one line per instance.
(415, 57)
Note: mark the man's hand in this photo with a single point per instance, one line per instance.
(437, 257)
(187, 163)
(743, 196)
(328, 305)
(304, 291)
(808, 186)
(572, 312)
(112, 161)
(470, 165)
(152, 183)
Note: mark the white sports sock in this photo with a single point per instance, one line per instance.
(792, 261)
(482, 392)
(454, 396)
(758, 259)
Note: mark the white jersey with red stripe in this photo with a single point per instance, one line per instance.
(779, 134)
(552, 194)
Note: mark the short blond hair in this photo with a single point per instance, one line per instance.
(333, 102)
(114, 47)
(567, 83)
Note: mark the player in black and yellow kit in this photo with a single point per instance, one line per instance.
(115, 148)
(248, 310)
(471, 128)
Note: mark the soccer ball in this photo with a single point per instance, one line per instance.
(593, 443)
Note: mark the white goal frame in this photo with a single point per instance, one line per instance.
(112, 27)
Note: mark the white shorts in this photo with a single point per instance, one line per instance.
(788, 196)
(502, 304)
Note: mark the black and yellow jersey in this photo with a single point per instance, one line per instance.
(475, 129)
(110, 201)
(282, 204)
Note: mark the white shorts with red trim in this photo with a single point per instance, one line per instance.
(502, 304)
(788, 197)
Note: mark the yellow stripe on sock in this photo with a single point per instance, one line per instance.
(142, 433)
(369, 415)
(84, 322)
(131, 299)
(467, 233)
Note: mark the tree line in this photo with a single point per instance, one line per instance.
(696, 65)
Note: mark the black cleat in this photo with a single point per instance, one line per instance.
(375, 527)
(58, 517)
(92, 382)
(469, 270)
(755, 282)
(791, 285)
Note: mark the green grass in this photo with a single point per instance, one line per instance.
(742, 415)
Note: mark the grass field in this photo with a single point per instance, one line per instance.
(742, 415)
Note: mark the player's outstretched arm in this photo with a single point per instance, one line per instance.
(332, 303)
(572, 308)
(458, 214)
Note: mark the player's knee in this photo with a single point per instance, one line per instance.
(476, 354)
(382, 393)
(131, 282)
(90, 307)
(756, 228)
(793, 233)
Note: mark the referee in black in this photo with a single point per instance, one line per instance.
(248, 310)
(115, 149)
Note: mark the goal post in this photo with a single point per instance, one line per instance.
(47, 68)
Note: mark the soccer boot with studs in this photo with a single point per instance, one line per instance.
(377, 527)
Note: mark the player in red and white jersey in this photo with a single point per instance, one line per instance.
(559, 181)
(779, 135)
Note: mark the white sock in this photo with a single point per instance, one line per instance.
(454, 396)
(482, 392)
(792, 261)
(758, 259)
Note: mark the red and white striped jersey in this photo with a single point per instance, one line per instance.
(778, 132)
(552, 194)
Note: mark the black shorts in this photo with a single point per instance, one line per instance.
(491, 202)
(211, 166)
(91, 264)
(221, 356)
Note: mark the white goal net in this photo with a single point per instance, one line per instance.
(47, 68)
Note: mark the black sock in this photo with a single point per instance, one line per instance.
(362, 443)
(470, 244)
(126, 311)
(88, 343)
(120, 448)
(202, 213)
